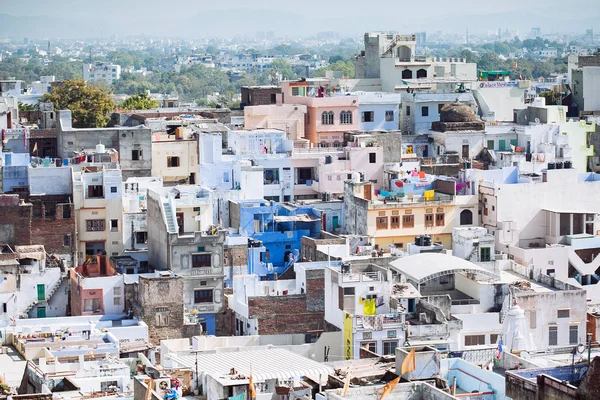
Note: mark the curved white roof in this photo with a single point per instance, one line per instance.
(426, 266)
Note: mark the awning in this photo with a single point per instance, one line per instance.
(296, 218)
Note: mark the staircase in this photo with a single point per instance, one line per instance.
(171, 226)
(49, 294)
(505, 308)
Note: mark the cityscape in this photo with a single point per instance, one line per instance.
(314, 203)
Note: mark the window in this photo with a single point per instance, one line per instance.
(552, 335)
(395, 222)
(114, 225)
(474, 340)
(327, 118)
(391, 334)
(172, 162)
(370, 346)
(136, 155)
(573, 334)
(408, 111)
(273, 98)
(389, 115)
(493, 338)
(565, 313)
(113, 189)
(225, 176)
(346, 117)
(162, 319)
(141, 237)
(109, 386)
(271, 176)
(349, 291)
(428, 220)
(94, 225)
(66, 211)
(201, 260)
(382, 223)
(368, 116)
(116, 301)
(367, 335)
(304, 175)
(203, 296)
(67, 240)
(372, 158)
(408, 221)
(389, 347)
(95, 191)
(466, 217)
(439, 219)
(421, 73)
(425, 111)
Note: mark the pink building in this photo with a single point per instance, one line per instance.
(286, 117)
(329, 112)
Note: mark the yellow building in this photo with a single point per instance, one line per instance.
(395, 221)
(175, 157)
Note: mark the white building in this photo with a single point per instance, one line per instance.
(378, 111)
(419, 110)
(101, 72)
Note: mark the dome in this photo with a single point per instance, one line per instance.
(457, 112)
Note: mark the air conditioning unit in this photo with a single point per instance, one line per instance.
(162, 385)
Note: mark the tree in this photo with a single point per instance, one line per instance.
(346, 67)
(89, 105)
(284, 68)
(139, 102)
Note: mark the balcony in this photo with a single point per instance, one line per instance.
(362, 277)
(389, 321)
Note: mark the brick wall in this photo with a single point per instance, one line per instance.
(258, 96)
(284, 314)
(235, 255)
(51, 231)
(315, 290)
(15, 221)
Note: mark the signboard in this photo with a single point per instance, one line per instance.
(499, 84)
(348, 342)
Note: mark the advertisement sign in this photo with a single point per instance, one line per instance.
(347, 336)
(499, 84)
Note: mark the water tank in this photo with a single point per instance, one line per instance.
(551, 165)
(426, 240)
(559, 165)
(568, 164)
(100, 148)
(419, 240)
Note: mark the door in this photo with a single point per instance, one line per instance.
(502, 144)
(41, 312)
(41, 292)
(324, 222)
(179, 216)
(490, 145)
(465, 151)
(367, 192)
(334, 222)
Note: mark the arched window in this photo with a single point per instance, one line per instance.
(323, 144)
(407, 74)
(404, 53)
(466, 217)
(327, 118)
(336, 143)
(422, 73)
(346, 117)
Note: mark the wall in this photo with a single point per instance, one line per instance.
(15, 224)
(286, 117)
(50, 181)
(471, 378)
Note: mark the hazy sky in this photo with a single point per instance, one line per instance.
(187, 16)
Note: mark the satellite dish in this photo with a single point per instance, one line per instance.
(152, 372)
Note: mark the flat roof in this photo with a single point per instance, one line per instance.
(423, 267)
(296, 218)
(265, 363)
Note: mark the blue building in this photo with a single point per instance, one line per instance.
(275, 231)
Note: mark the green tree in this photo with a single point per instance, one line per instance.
(89, 105)
(284, 68)
(550, 96)
(139, 102)
(346, 67)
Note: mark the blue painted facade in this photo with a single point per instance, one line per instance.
(265, 222)
(208, 322)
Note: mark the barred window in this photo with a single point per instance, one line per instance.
(327, 118)
(346, 117)
(565, 313)
(553, 335)
(94, 225)
(573, 334)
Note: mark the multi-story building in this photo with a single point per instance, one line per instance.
(378, 111)
(585, 89)
(259, 95)
(420, 110)
(279, 227)
(98, 204)
(288, 118)
(101, 72)
(184, 240)
(133, 144)
(393, 219)
(175, 156)
(328, 115)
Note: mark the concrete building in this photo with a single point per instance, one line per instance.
(328, 115)
(101, 72)
(420, 110)
(289, 118)
(458, 131)
(133, 144)
(279, 227)
(175, 157)
(98, 205)
(185, 241)
(585, 82)
(378, 111)
(393, 219)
